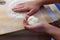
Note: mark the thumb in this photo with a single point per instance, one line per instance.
(32, 11)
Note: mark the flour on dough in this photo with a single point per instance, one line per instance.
(32, 20)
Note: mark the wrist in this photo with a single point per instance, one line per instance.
(41, 2)
(54, 31)
(45, 2)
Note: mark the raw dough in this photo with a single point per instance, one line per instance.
(32, 20)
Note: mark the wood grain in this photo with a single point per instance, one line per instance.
(9, 24)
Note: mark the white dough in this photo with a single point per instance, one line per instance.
(32, 20)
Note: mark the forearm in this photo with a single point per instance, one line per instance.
(56, 34)
(48, 1)
(54, 31)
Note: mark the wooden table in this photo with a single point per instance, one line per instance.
(9, 24)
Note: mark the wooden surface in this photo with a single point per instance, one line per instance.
(10, 24)
(7, 23)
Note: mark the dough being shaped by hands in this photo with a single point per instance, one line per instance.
(32, 20)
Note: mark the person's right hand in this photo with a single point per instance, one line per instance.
(31, 6)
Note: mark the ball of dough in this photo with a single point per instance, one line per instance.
(32, 20)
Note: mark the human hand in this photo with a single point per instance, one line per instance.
(37, 27)
(31, 6)
(43, 27)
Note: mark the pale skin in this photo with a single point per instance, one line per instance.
(34, 6)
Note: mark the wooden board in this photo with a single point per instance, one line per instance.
(10, 24)
(7, 23)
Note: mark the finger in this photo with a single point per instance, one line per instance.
(26, 25)
(20, 9)
(19, 6)
(33, 11)
(25, 20)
